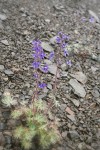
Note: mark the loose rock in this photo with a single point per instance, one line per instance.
(3, 17)
(46, 46)
(80, 76)
(1, 68)
(79, 90)
(5, 42)
(8, 72)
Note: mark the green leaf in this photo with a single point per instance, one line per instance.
(16, 114)
(39, 105)
(8, 100)
(40, 118)
(18, 132)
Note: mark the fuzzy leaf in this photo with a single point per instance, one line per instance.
(26, 144)
(40, 118)
(18, 132)
(8, 100)
(39, 105)
(16, 114)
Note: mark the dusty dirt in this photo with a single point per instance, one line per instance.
(22, 21)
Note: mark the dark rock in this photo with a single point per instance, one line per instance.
(2, 139)
(73, 135)
(6, 114)
(8, 139)
(63, 107)
(2, 126)
(64, 134)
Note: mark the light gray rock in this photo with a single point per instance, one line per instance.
(8, 72)
(81, 146)
(78, 88)
(75, 102)
(3, 17)
(64, 134)
(72, 118)
(47, 47)
(80, 76)
(93, 14)
(63, 66)
(95, 93)
(1, 68)
(48, 62)
(5, 42)
(52, 69)
(53, 40)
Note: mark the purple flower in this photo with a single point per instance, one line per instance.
(64, 45)
(42, 85)
(35, 75)
(69, 63)
(83, 19)
(45, 69)
(58, 40)
(36, 65)
(51, 55)
(65, 37)
(65, 53)
(92, 20)
(36, 43)
(42, 55)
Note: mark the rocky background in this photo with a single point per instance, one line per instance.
(22, 21)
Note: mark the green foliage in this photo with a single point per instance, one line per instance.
(34, 124)
(8, 100)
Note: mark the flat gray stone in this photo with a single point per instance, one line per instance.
(47, 47)
(75, 102)
(80, 76)
(1, 68)
(78, 88)
(2, 140)
(8, 72)
(93, 14)
(53, 40)
(52, 69)
(3, 17)
(73, 135)
(5, 42)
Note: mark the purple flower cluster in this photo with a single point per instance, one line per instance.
(38, 55)
(91, 20)
(62, 40)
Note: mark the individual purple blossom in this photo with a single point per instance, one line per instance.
(51, 55)
(36, 43)
(65, 37)
(35, 75)
(45, 68)
(65, 53)
(64, 45)
(92, 20)
(69, 63)
(42, 55)
(83, 19)
(36, 65)
(58, 40)
(42, 85)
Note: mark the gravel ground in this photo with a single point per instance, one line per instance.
(79, 86)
